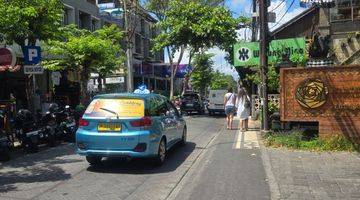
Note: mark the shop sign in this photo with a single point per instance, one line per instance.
(7, 57)
(114, 80)
(248, 53)
(33, 69)
(104, 6)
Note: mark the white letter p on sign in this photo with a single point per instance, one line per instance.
(32, 53)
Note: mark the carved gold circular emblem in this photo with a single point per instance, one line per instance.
(311, 93)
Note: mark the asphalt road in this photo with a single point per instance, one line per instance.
(215, 164)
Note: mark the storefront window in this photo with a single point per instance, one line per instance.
(356, 7)
(345, 10)
(342, 11)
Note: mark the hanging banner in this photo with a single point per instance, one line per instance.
(248, 53)
(181, 71)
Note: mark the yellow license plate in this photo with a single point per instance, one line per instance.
(109, 127)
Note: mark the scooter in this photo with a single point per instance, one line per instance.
(31, 133)
(67, 124)
(4, 142)
(4, 149)
(26, 130)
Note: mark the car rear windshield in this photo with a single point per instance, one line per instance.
(112, 107)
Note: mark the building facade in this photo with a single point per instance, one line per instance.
(333, 32)
(84, 13)
(148, 67)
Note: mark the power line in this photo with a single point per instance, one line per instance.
(282, 17)
(277, 6)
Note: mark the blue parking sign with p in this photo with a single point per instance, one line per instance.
(32, 55)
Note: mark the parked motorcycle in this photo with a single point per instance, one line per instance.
(67, 124)
(32, 132)
(4, 140)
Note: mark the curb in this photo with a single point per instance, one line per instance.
(273, 185)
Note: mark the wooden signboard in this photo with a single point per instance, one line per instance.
(328, 95)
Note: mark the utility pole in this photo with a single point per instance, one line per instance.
(254, 24)
(264, 46)
(129, 56)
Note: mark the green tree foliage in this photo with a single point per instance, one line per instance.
(221, 81)
(273, 79)
(29, 19)
(196, 25)
(201, 76)
(159, 7)
(86, 52)
(191, 24)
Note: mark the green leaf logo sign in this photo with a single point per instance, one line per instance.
(244, 54)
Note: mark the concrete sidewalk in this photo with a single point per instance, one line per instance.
(311, 175)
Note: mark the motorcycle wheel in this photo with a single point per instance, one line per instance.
(52, 142)
(31, 147)
(5, 154)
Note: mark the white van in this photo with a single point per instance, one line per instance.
(216, 101)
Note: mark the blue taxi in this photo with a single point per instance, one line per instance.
(129, 125)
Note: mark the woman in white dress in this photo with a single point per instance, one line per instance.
(243, 108)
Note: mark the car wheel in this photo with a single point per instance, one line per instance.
(161, 155)
(184, 136)
(93, 160)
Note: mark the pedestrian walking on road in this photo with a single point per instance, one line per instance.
(243, 108)
(229, 102)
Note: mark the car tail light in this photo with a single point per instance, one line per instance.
(143, 122)
(83, 122)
